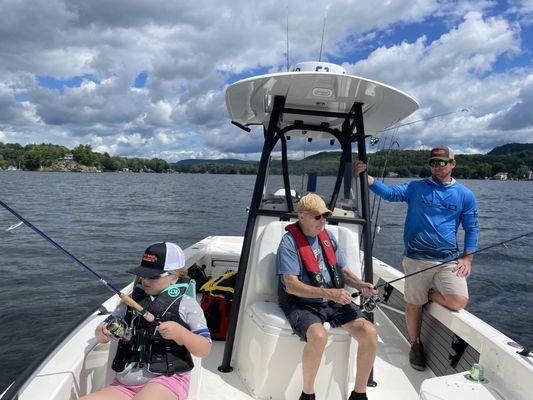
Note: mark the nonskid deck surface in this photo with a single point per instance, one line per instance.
(392, 372)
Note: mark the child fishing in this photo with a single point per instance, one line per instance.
(153, 360)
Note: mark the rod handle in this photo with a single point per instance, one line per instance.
(137, 307)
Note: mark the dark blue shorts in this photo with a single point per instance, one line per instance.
(302, 315)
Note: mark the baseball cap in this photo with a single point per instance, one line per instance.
(312, 202)
(159, 258)
(441, 153)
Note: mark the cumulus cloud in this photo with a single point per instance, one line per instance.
(189, 51)
(519, 116)
(453, 72)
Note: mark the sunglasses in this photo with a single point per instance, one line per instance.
(156, 277)
(320, 216)
(439, 163)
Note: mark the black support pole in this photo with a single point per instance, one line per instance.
(285, 169)
(248, 235)
(368, 275)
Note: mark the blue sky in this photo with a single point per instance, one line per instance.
(148, 78)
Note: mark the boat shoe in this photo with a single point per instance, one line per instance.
(417, 359)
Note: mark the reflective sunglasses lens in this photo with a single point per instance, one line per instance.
(440, 163)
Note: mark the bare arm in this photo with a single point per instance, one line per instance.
(196, 344)
(352, 280)
(297, 288)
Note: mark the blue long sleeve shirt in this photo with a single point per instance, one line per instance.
(434, 213)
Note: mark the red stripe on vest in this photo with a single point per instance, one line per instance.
(306, 253)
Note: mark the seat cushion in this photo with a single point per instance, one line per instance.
(269, 316)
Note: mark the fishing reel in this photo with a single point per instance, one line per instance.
(369, 305)
(118, 328)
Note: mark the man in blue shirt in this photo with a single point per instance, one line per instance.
(436, 208)
(312, 274)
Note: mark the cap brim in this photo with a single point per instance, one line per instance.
(144, 272)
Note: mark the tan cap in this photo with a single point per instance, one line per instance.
(312, 202)
(441, 153)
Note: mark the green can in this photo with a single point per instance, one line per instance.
(477, 373)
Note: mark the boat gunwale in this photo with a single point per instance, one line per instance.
(12, 391)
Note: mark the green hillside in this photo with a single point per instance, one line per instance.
(516, 159)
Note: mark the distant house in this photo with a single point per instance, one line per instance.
(392, 175)
(501, 176)
(68, 156)
(529, 175)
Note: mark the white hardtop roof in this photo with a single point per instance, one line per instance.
(250, 100)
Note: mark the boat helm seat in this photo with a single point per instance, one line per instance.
(265, 280)
(268, 352)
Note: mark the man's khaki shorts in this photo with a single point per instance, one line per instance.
(417, 286)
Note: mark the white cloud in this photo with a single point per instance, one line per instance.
(190, 49)
(450, 73)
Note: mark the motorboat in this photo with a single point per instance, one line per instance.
(261, 357)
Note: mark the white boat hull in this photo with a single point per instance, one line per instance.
(79, 365)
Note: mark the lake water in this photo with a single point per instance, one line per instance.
(107, 220)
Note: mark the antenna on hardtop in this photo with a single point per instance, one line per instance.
(287, 36)
(323, 31)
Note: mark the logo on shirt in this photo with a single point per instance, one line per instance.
(173, 292)
(447, 206)
(327, 243)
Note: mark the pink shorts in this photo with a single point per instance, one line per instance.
(177, 384)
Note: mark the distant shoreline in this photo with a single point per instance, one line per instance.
(230, 174)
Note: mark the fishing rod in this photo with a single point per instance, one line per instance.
(426, 119)
(394, 141)
(370, 304)
(124, 297)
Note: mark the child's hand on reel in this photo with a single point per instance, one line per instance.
(115, 329)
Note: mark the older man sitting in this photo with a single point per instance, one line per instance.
(312, 275)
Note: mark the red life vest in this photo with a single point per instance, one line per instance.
(310, 262)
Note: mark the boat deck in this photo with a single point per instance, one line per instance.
(394, 376)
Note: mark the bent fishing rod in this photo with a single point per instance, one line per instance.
(387, 284)
(124, 297)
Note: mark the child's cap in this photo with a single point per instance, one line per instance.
(159, 258)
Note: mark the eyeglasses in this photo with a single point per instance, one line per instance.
(439, 163)
(156, 277)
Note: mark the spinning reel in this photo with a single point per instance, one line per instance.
(370, 304)
(118, 328)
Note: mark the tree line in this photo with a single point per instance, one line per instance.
(35, 157)
(403, 163)
(514, 159)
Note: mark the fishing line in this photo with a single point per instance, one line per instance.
(124, 297)
(387, 284)
(394, 141)
(427, 119)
